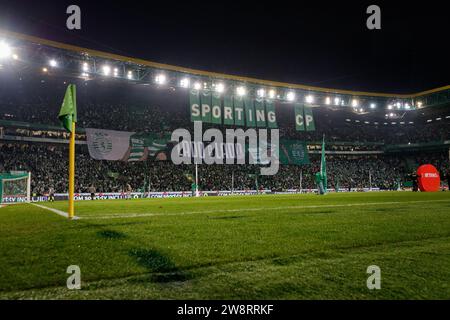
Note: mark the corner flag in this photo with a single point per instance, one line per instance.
(68, 117)
(68, 112)
(323, 166)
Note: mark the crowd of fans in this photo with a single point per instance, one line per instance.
(48, 165)
(133, 107)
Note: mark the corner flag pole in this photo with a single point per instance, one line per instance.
(68, 117)
(72, 172)
(196, 180)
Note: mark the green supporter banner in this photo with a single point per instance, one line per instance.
(194, 101)
(299, 117)
(271, 115)
(238, 104)
(206, 106)
(228, 111)
(249, 113)
(260, 113)
(216, 109)
(309, 119)
(293, 152)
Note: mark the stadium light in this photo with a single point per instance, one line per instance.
(261, 93)
(85, 67)
(130, 75)
(241, 91)
(160, 79)
(373, 106)
(290, 96)
(106, 70)
(389, 106)
(5, 50)
(309, 99)
(184, 83)
(197, 86)
(354, 103)
(419, 104)
(220, 87)
(53, 63)
(336, 101)
(272, 94)
(327, 100)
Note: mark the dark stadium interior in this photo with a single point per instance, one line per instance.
(371, 142)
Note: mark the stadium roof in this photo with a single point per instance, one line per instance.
(167, 67)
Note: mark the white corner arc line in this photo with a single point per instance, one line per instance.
(58, 212)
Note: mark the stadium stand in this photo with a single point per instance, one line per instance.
(29, 104)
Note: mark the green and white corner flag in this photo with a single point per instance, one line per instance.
(68, 112)
(323, 166)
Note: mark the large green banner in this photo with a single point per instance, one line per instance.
(249, 113)
(206, 106)
(271, 115)
(216, 109)
(299, 117)
(228, 111)
(309, 119)
(260, 114)
(194, 99)
(238, 111)
(293, 152)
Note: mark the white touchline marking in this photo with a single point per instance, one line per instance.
(149, 214)
(58, 212)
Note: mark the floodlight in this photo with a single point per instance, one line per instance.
(373, 106)
(5, 50)
(407, 106)
(241, 91)
(327, 100)
(272, 94)
(53, 63)
(261, 93)
(390, 106)
(44, 70)
(336, 101)
(290, 96)
(354, 103)
(184, 83)
(160, 79)
(309, 99)
(220, 87)
(419, 104)
(15, 56)
(116, 72)
(130, 75)
(106, 70)
(85, 67)
(197, 86)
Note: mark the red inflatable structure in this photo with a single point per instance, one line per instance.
(428, 178)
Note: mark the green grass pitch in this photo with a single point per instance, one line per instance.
(243, 247)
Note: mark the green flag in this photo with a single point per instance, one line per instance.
(68, 112)
(323, 166)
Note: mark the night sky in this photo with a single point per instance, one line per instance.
(314, 43)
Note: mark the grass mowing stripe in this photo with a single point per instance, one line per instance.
(150, 214)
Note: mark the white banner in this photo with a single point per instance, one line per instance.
(108, 144)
